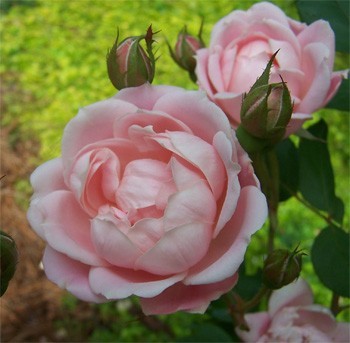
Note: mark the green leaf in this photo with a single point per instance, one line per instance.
(287, 155)
(316, 178)
(207, 332)
(330, 256)
(9, 259)
(336, 12)
(341, 100)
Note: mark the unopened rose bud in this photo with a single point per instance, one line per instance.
(185, 50)
(9, 259)
(129, 64)
(265, 113)
(281, 267)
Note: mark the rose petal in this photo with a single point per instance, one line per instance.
(319, 32)
(319, 74)
(144, 97)
(120, 283)
(111, 243)
(297, 293)
(179, 297)
(195, 110)
(58, 218)
(93, 123)
(258, 323)
(141, 183)
(227, 251)
(199, 153)
(47, 178)
(69, 274)
(178, 250)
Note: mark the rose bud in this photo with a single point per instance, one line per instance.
(9, 259)
(185, 50)
(281, 267)
(265, 113)
(128, 64)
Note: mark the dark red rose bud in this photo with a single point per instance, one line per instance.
(282, 267)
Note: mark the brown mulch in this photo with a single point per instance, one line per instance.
(31, 302)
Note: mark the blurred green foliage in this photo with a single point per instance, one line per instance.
(53, 62)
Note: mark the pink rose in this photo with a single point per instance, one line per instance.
(153, 196)
(292, 317)
(242, 44)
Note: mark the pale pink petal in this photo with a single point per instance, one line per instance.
(47, 178)
(93, 123)
(296, 122)
(199, 153)
(336, 81)
(145, 96)
(111, 243)
(179, 297)
(141, 183)
(69, 274)
(59, 219)
(146, 233)
(232, 192)
(258, 324)
(246, 176)
(227, 66)
(120, 283)
(214, 70)
(184, 174)
(95, 179)
(230, 103)
(320, 32)
(228, 29)
(266, 10)
(287, 57)
(178, 250)
(202, 56)
(195, 110)
(294, 78)
(249, 67)
(320, 77)
(158, 121)
(342, 333)
(317, 316)
(193, 204)
(297, 293)
(227, 251)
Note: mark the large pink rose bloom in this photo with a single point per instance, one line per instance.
(292, 317)
(153, 196)
(242, 44)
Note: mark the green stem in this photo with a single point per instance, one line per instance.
(256, 299)
(266, 168)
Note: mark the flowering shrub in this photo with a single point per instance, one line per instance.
(154, 195)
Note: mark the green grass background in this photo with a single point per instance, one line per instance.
(53, 63)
